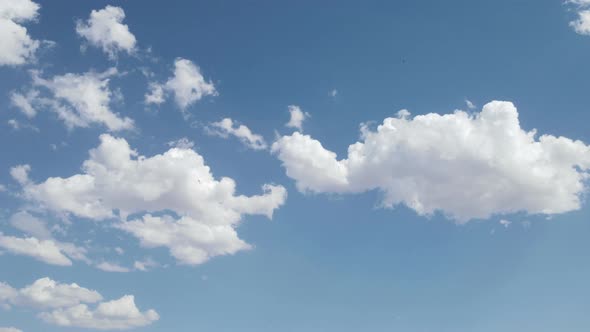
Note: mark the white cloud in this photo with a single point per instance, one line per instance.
(581, 3)
(40, 244)
(582, 24)
(9, 329)
(20, 173)
(189, 241)
(333, 93)
(105, 29)
(19, 10)
(118, 314)
(155, 94)
(188, 86)
(505, 223)
(145, 265)
(467, 166)
(116, 178)
(16, 46)
(227, 127)
(25, 102)
(48, 294)
(30, 225)
(46, 251)
(470, 104)
(81, 99)
(182, 143)
(112, 267)
(297, 117)
(67, 305)
(16, 125)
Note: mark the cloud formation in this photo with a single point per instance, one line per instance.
(466, 166)
(105, 29)
(187, 85)
(581, 25)
(228, 127)
(79, 100)
(67, 305)
(39, 242)
(16, 46)
(196, 213)
(297, 116)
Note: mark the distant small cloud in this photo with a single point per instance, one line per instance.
(297, 117)
(470, 104)
(182, 143)
(333, 93)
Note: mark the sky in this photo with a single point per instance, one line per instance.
(300, 166)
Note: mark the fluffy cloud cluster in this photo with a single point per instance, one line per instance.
(228, 127)
(16, 46)
(79, 100)
(297, 116)
(67, 305)
(187, 85)
(105, 29)
(467, 166)
(197, 213)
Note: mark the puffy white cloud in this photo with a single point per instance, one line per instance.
(582, 24)
(112, 267)
(187, 85)
(46, 293)
(190, 241)
(19, 10)
(105, 29)
(67, 305)
(297, 117)
(117, 181)
(227, 127)
(505, 223)
(467, 166)
(20, 173)
(81, 99)
(118, 314)
(16, 46)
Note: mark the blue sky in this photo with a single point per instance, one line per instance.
(294, 166)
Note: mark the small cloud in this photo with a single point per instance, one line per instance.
(333, 93)
(505, 223)
(228, 127)
(183, 143)
(145, 265)
(112, 267)
(470, 104)
(297, 117)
